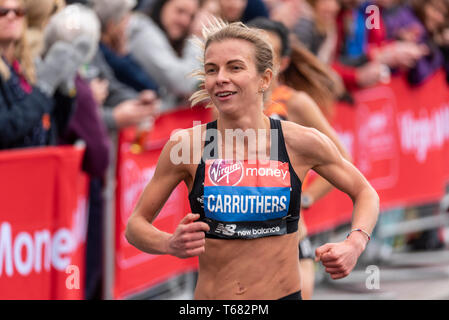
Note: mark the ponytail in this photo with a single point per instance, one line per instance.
(307, 73)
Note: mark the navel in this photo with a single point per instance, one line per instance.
(240, 289)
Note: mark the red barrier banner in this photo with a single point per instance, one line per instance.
(135, 270)
(398, 137)
(43, 220)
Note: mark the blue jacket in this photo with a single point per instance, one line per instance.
(30, 119)
(128, 71)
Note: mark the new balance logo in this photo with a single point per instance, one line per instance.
(227, 230)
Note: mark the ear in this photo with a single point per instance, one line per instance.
(266, 79)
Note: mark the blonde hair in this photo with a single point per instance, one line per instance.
(217, 31)
(38, 14)
(39, 11)
(23, 55)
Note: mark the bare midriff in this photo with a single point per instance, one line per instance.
(259, 269)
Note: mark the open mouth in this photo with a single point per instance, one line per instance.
(225, 94)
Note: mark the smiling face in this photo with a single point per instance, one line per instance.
(231, 76)
(177, 17)
(11, 24)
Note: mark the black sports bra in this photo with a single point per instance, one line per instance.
(246, 199)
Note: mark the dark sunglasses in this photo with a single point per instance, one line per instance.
(19, 12)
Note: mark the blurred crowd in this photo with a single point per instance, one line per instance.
(83, 70)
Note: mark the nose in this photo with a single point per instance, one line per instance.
(222, 77)
(11, 14)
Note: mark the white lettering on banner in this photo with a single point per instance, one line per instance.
(11, 250)
(423, 133)
(23, 239)
(40, 250)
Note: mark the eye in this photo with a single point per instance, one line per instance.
(210, 70)
(236, 68)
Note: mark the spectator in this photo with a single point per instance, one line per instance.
(288, 11)
(208, 10)
(254, 9)
(403, 28)
(38, 14)
(399, 42)
(318, 32)
(242, 10)
(159, 43)
(433, 14)
(232, 10)
(114, 17)
(87, 125)
(29, 115)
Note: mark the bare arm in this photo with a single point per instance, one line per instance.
(303, 110)
(318, 152)
(188, 239)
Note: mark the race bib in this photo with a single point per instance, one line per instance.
(246, 200)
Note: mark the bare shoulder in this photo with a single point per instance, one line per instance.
(300, 100)
(183, 149)
(295, 135)
(308, 143)
(187, 139)
(301, 96)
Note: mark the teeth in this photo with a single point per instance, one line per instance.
(224, 94)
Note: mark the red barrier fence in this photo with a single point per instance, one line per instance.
(42, 224)
(398, 137)
(135, 270)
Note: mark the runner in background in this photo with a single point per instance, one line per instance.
(309, 83)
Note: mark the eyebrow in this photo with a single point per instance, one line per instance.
(229, 62)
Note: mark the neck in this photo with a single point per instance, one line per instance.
(275, 83)
(245, 144)
(243, 117)
(7, 50)
(249, 121)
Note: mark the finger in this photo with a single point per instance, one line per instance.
(332, 264)
(189, 218)
(333, 270)
(194, 252)
(328, 256)
(321, 250)
(337, 276)
(148, 95)
(196, 227)
(193, 236)
(195, 244)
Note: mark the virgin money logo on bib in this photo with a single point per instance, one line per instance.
(225, 172)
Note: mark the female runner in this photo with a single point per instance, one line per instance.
(245, 194)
